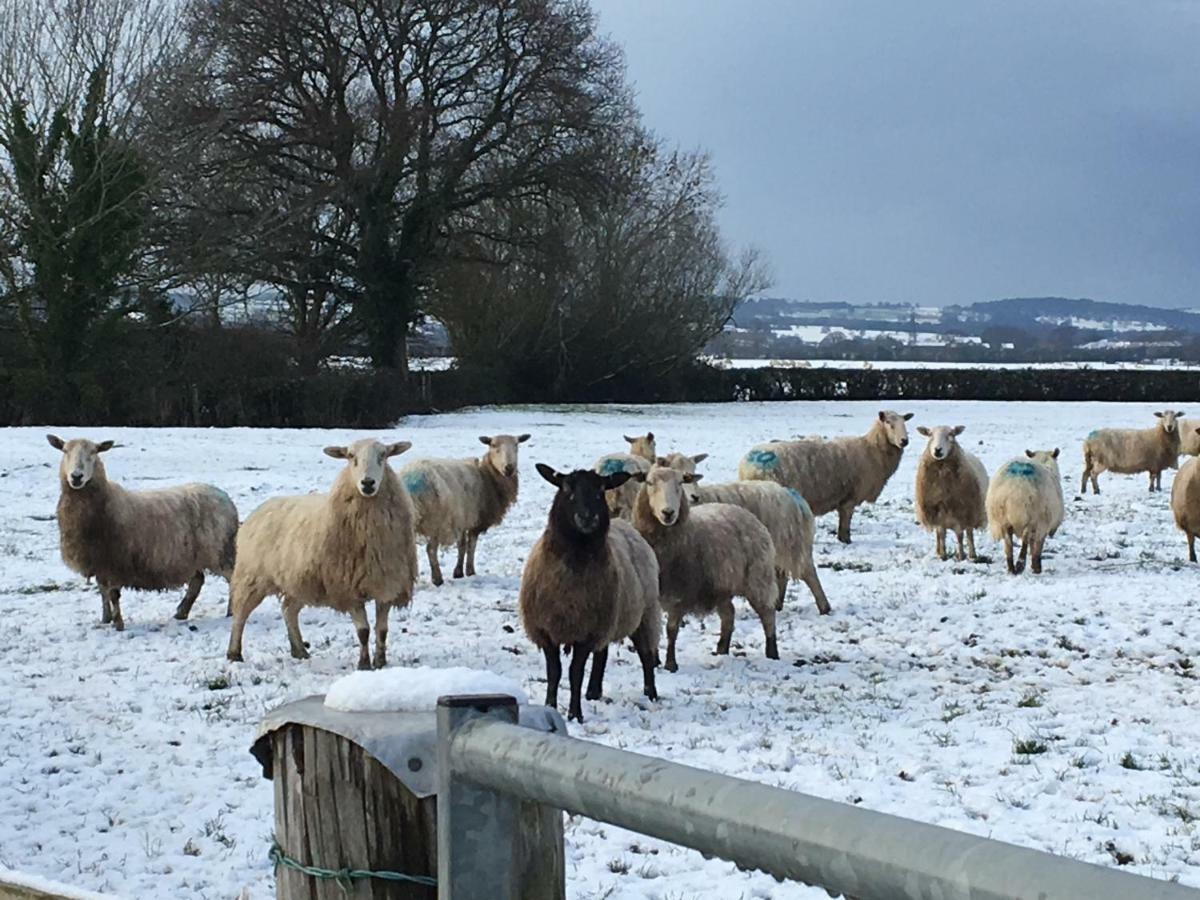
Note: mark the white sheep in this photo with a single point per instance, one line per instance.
(145, 540)
(706, 557)
(337, 550)
(1128, 451)
(589, 582)
(785, 513)
(1189, 436)
(951, 489)
(1025, 500)
(457, 500)
(1185, 503)
(836, 474)
(638, 460)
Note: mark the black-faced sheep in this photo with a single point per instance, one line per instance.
(782, 510)
(639, 459)
(337, 550)
(1128, 451)
(1185, 503)
(457, 500)
(837, 474)
(1025, 500)
(951, 489)
(145, 540)
(589, 582)
(706, 557)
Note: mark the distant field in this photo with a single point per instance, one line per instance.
(1157, 365)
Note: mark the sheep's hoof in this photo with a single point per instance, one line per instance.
(458, 573)
(299, 653)
(118, 624)
(772, 649)
(824, 610)
(380, 662)
(593, 695)
(650, 693)
(106, 618)
(364, 665)
(470, 573)
(181, 615)
(844, 538)
(438, 581)
(671, 666)
(234, 656)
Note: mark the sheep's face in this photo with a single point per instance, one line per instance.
(368, 462)
(642, 446)
(502, 452)
(1048, 458)
(80, 459)
(665, 493)
(942, 440)
(894, 427)
(1168, 420)
(579, 504)
(681, 462)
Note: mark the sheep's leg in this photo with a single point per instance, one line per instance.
(1008, 551)
(674, 618)
(766, 615)
(725, 611)
(114, 602)
(193, 591)
(291, 618)
(1087, 470)
(382, 610)
(1024, 551)
(553, 673)
(435, 568)
(1191, 547)
(647, 653)
(809, 577)
(462, 554)
(472, 540)
(359, 615)
(579, 658)
(971, 545)
(845, 513)
(595, 689)
(941, 542)
(105, 606)
(244, 603)
(1035, 564)
(1152, 482)
(781, 578)
(1095, 483)
(960, 553)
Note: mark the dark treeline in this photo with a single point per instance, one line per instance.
(206, 206)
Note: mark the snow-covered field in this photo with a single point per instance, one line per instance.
(1156, 365)
(1054, 711)
(814, 334)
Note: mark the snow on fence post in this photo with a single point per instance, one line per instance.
(356, 812)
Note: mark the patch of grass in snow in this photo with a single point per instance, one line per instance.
(1030, 700)
(219, 683)
(1129, 761)
(851, 566)
(1064, 643)
(45, 587)
(951, 711)
(1029, 747)
(619, 866)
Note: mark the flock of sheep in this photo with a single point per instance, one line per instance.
(627, 541)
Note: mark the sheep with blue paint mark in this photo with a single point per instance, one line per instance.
(951, 490)
(146, 540)
(835, 474)
(638, 460)
(457, 500)
(785, 513)
(1128, 451)
(1025, 500)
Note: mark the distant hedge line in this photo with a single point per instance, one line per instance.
(350, 399)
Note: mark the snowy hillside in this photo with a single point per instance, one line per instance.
(1054, 711)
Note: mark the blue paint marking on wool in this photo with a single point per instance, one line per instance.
(612, 466)
(1022, 470)
(416, 482)
(800, 501)
(1092, 435)
(764, 459)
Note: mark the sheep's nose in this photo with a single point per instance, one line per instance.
(76, 479)
(668, 514)
(509, 469)
(368, 484)
(904, 442)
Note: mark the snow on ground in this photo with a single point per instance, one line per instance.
(1155, 365)
(1053, 712)
(814, 334)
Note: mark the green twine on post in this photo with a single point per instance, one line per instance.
(344, 877)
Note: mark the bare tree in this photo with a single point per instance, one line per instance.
(406, 116)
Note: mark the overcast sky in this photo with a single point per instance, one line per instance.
(939, 151)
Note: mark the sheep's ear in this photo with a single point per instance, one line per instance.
(1029, 453)
(1055, 453)
(55, 441)
(615, 480)
(882, 416)
(699, 457)
(555, 478)
(691, 478)
(399, 447)
(1179, 415)
(1158, 415)
(522, 438)
(628, 439)
(639, 477)
(908, 416)
(485, 440)
(105, 445)
(337, 452)
(649, 435)
(958, 429)
(662, 461)
(921, 429)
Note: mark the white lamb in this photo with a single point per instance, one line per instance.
(1128, 451)
(1025, 500)
(457, 500)
(637, 461)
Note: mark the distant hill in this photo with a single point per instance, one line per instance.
(1032, 313)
